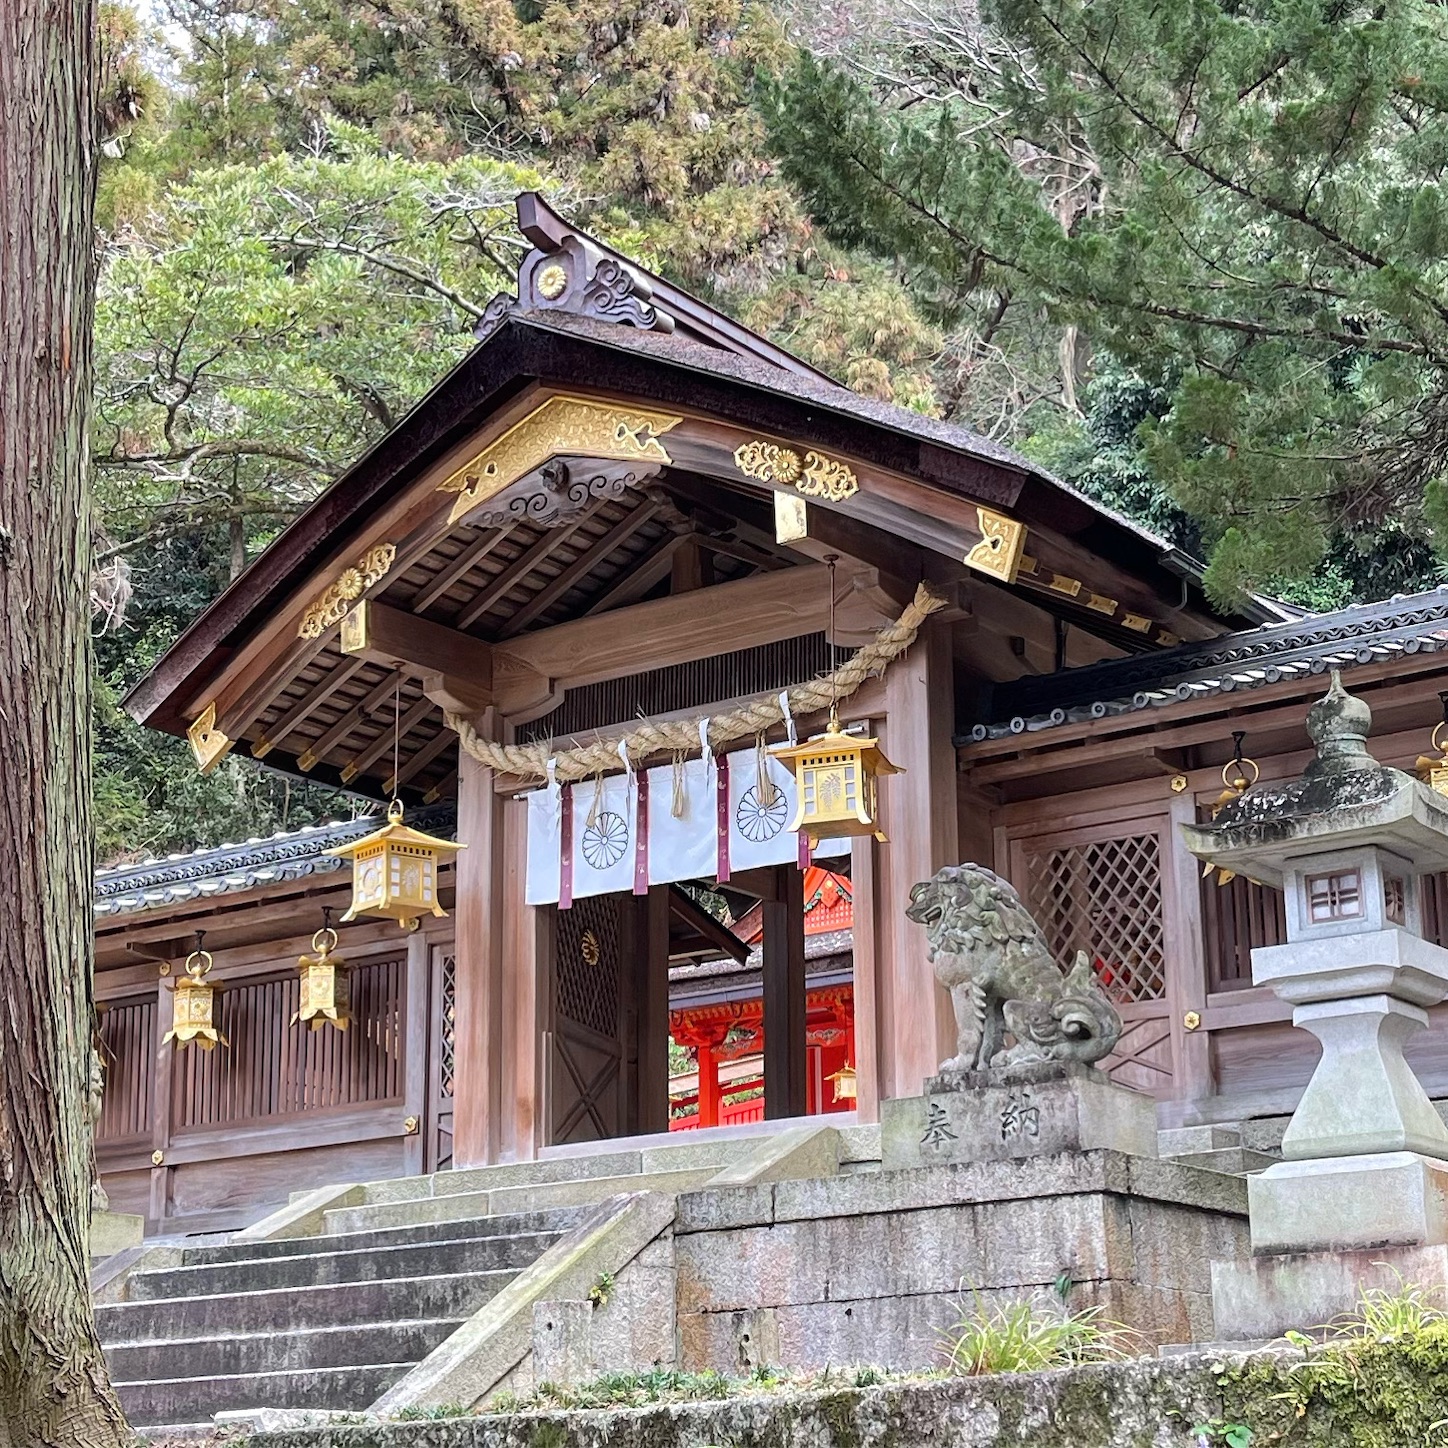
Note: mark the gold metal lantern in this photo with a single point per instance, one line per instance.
(1433, 768)
(846, 1083)
(193, 1010)
(835, 776)
(326, 988)
(394, 871)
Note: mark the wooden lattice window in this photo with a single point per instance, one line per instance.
(1103, 897)
(588, 952)
(447, 1024)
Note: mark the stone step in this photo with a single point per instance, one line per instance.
(597, 1189)
(521, 1174)
(195, 1400)
(1177, 1141)
(1234, 1160)
(323, 1267)
(473, 1206)
(454, 1295)
(234, 1354)
(512, 1224)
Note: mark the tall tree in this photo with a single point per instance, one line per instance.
(1245, 202)
(53, 1384)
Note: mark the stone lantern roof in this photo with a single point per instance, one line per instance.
(1344, 798)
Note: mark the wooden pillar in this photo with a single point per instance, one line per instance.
(652, 1099)
(864, 896)
(914, 1023)
(163, 1064)
(417, 1011)
(477, 1028)
(526, 956)
(1186, 956)
(709, 1093)
(785, 1092)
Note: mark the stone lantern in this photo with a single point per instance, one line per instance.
(1366, 1155)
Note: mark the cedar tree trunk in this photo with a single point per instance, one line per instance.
(53, 1384)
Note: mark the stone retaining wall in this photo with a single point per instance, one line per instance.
(1133, 1405)
(872, 1268)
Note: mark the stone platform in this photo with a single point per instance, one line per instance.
(871, 1268)
(1015, 1112)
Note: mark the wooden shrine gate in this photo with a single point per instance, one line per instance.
(1100, 888)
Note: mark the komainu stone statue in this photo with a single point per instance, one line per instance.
(991, 956)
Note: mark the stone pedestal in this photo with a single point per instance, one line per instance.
(1020, 1111)
(1390, 1198)
(112, 1232)
(1363, 1096)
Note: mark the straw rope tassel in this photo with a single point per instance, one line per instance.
(531, 760)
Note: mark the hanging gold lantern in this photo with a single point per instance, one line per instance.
(394, 871)
(834, 775)
(193, 1009)
(326, 993)
(846, 1083)
(1433, 768)
(1239, 774)
(835, 772)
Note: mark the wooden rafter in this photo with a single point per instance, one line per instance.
(474, 553)
(579, 569)
(317, 695)
(360, 763)
(639, 577)
(702, 923)
(513, 573)
(420, 760)
(317, 751)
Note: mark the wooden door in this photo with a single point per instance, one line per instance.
(586, 1042)
(1100, 889)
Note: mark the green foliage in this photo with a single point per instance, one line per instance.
(256, 328)
(601, 1290)
(1250, 200)
(1228, 1435)
(1021, 1336)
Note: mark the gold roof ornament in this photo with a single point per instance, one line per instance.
(193, 1009)
(835, 774)
(394, 871)
(326, 990)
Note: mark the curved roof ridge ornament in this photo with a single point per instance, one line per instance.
(570, 271)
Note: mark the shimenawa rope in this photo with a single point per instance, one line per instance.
(681, 736)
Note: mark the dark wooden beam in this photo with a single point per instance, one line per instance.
(416, 645)
(703, 923)
(312, 699)
(513, 574)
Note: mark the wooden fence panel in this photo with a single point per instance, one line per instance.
(273, 1068)
(128, 1051)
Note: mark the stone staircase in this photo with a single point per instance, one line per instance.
(332, 1321)
(1213, 1148)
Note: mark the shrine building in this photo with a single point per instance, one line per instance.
(572, 613)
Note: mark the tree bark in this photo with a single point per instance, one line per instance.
(54, 1388)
